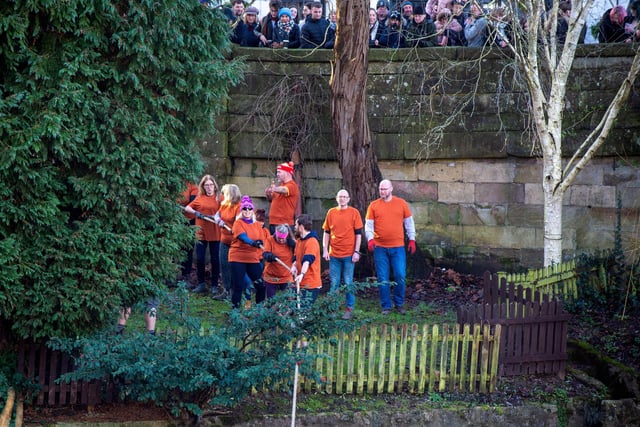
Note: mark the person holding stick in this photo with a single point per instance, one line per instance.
(245, 253)
(277, 276)
(225, 217)
(204, 207)
(306, 262)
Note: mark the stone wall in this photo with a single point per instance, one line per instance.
(450, 127)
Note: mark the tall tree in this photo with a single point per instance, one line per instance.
(351, 135)
(100, 104)
(545, 64)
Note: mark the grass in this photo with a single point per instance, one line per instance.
(367, 310)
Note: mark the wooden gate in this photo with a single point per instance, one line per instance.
(534, 328)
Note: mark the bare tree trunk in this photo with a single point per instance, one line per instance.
(546, 66)
(356, 157)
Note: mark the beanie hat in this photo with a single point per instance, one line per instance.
(252, 11)
(406, 3)
(246, 202)
(394, 15)
(286, 167)
(284, 11)
(419, 10)
(382, 3)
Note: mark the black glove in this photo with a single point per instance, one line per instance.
(198, 215)
(268, 256)
(257, 243)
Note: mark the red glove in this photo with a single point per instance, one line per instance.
(412, 247)
(371, 245)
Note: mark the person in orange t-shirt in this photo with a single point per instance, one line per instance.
(341, 246)
(275, 276)
(245, 253)
(306, 262)
(208, 234)
(283, 197)
(226, 216)
(386, 219)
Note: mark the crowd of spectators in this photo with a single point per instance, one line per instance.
(427, 23)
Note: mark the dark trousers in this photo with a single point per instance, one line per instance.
(201, 258)
(238, 272)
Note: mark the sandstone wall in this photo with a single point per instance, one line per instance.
(450, 127)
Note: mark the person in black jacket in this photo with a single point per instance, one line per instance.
(247, 33)
(611, 28)
(421, 31)
(287, 33)
(316, 32)
(393, 37)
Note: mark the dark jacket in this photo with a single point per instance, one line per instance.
(392, 37)
(610, 32)
(246, 35)
(422, 34)
(317, 34)
(280, 34)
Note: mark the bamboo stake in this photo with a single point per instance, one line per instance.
(5, 418)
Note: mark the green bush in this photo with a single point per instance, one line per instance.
(100, 104)
(187, 367)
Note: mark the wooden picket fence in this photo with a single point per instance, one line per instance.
(413, 358)
(534, 327)
(44, 366)
(556, 280)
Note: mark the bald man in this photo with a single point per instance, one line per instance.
(386, 219)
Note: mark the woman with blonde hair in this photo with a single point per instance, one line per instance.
(226, 216)
(204, 207)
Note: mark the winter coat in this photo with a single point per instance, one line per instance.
(317, 34)
(422, 34)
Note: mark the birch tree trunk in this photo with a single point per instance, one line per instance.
(545, 66)
(351, 135)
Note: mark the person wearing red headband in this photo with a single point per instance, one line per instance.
(283, 197)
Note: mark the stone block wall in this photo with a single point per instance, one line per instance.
(450, 128)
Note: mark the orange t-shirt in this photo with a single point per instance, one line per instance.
(283, 206)
(207, 205)
(239, 250)
(274, 272)
(342, 225)
(388, 221)
(309, 246)
(228, 214)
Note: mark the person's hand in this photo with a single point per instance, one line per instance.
(268, 256)
(412, 247)
(257, 243)
(355, 257)
(325, 254)
(371, 245)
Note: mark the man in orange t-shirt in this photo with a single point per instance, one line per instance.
(283, 197)
(386, 219)
(341, 246)
(306, 260)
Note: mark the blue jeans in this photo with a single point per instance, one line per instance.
(214, 255)
(341, 271)
(388, 259)
(225, 269)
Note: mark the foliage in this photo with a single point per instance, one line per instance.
(100, 104)
(189, 366)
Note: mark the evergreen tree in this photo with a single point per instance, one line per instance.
(100, 104)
